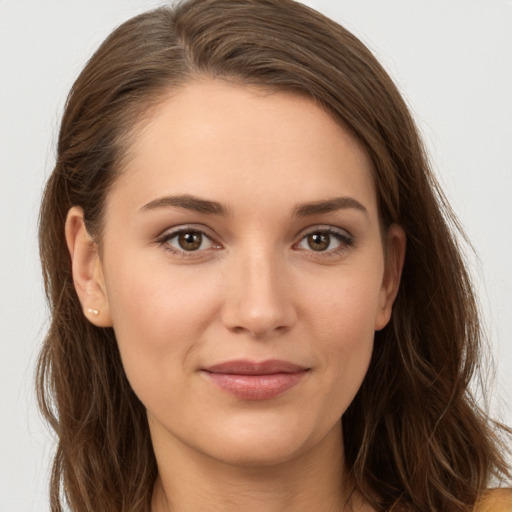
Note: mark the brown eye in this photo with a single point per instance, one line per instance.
(190, 241)
(319, 241)
(329, 241)
(187, 241)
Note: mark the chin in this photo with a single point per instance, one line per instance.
(265, 443)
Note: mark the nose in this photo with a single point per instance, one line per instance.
(259, 299)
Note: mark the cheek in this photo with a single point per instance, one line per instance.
(344, 305)
(158, 314)
(155, 297)
(349, 335)
(342, 314)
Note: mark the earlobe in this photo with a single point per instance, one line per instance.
(87, 270)
(395, 256)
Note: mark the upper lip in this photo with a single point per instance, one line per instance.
(245, 367)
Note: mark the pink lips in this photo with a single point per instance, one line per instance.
(255, 381)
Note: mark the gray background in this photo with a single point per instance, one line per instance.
(451, 59)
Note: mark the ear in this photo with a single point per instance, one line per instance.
(87, 270)
(395, 245)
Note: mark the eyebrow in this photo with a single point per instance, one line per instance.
(188, 202)
(328, 205)
(206, 206)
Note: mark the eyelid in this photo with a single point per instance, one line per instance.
(180, 228)
(171, 233)
(345, 238)
(324, 228)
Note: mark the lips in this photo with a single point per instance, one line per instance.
(249, 380)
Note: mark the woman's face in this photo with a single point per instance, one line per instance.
(243, 271)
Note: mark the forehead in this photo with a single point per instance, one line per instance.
(240, 142)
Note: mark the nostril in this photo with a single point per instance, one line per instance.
(258, 330)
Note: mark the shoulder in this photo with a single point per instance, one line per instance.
(495, 500)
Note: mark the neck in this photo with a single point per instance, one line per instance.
(313, 480)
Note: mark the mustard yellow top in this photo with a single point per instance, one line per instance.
(495, 500)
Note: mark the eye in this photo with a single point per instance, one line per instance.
(186, 241)
(325, 240)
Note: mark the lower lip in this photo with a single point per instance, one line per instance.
(256, 387)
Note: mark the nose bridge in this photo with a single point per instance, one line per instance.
(258, 300)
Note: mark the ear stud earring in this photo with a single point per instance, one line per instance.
(94, 312)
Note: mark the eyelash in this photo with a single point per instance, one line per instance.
(346, 241)
(343, 237)
(165, 239)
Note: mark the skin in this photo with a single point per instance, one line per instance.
(257, 288)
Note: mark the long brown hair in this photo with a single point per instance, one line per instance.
(414, 437)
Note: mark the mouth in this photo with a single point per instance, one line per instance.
(249, 380)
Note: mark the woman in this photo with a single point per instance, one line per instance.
(258, 301)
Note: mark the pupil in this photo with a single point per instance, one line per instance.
(190, 241)
(318, 242)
